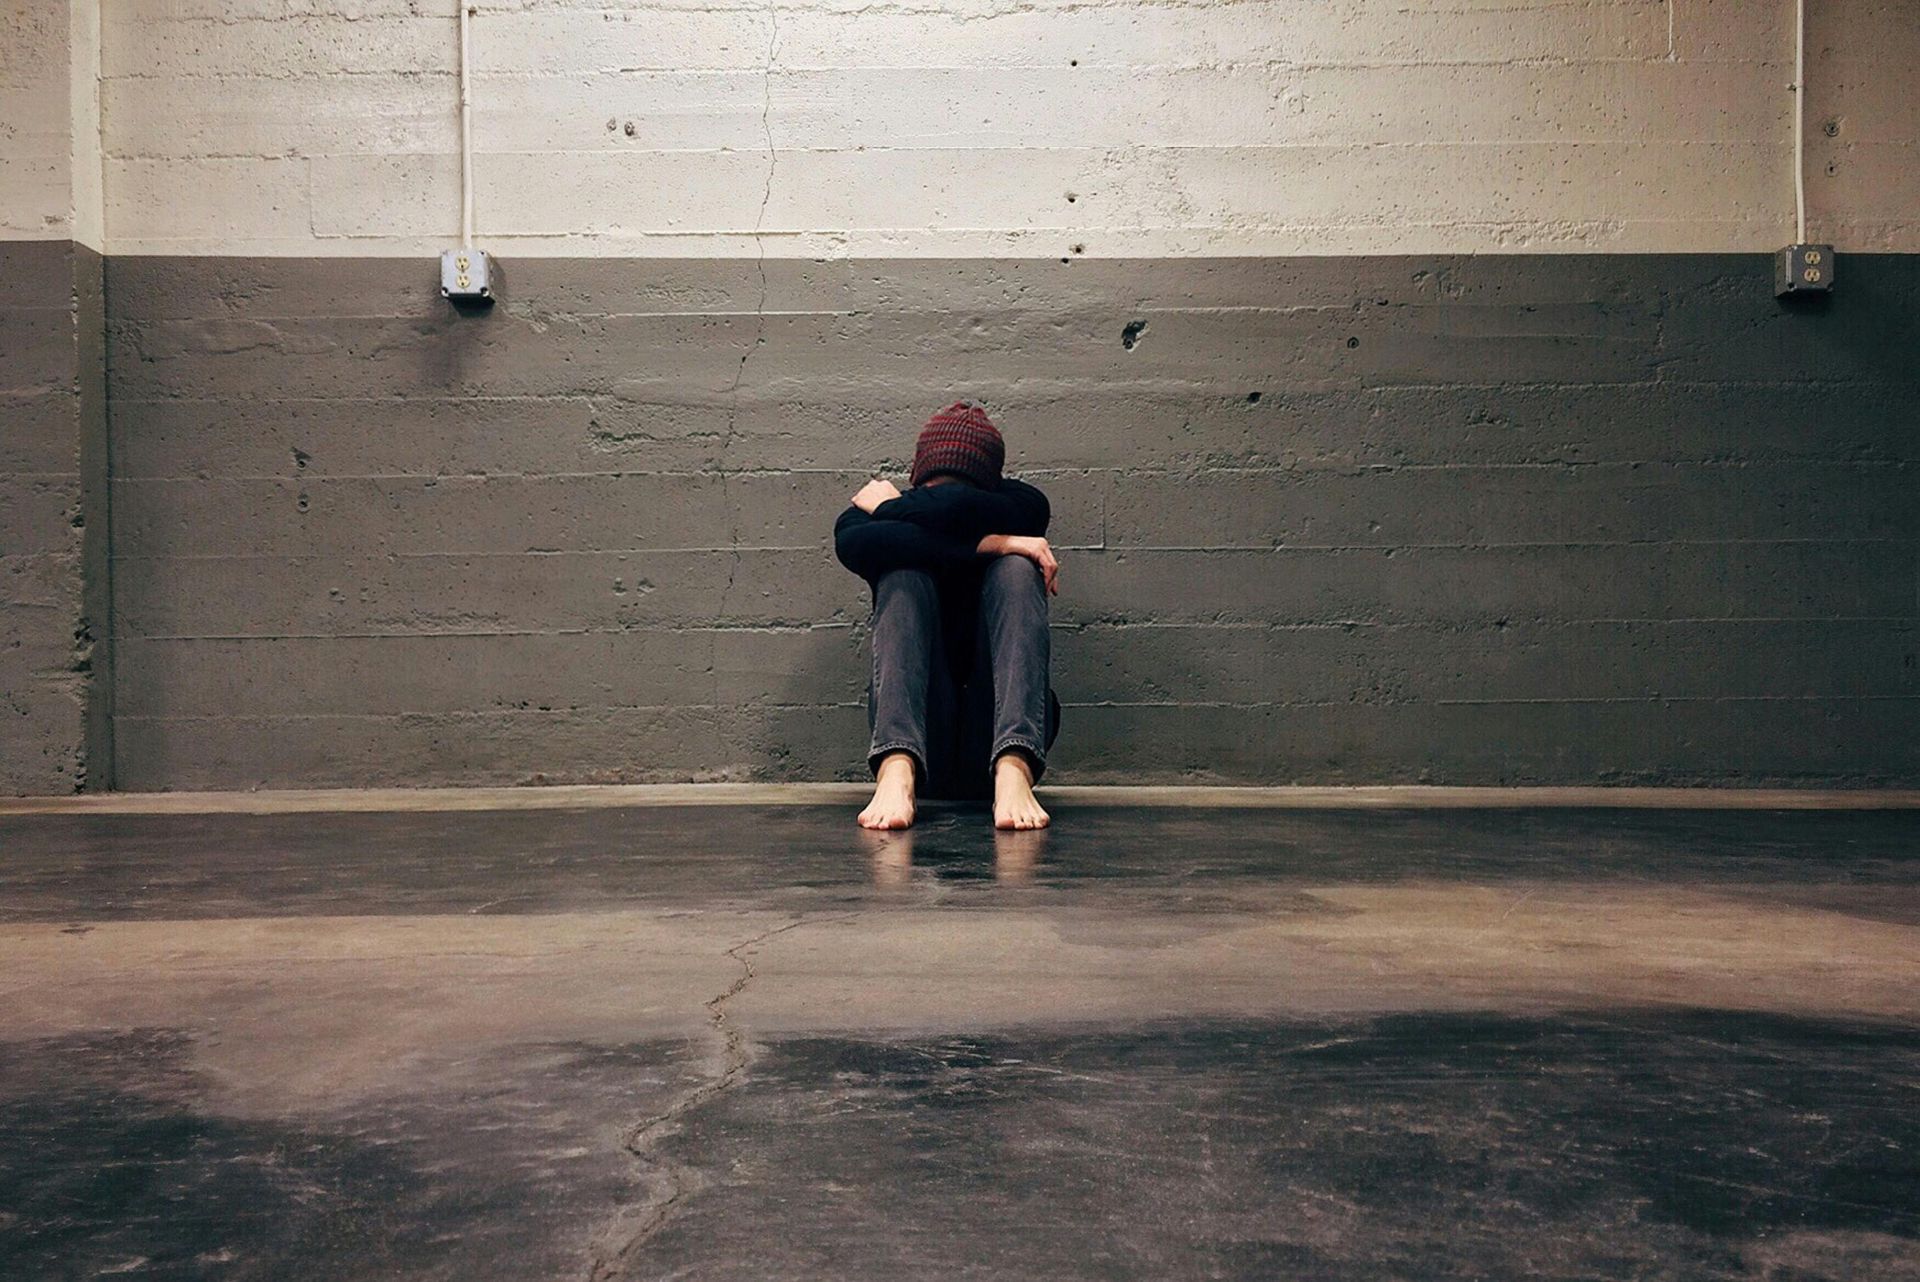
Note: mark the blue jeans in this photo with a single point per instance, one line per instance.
(955, 726)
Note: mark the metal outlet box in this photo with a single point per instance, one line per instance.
(466, 275)
(1803, 269)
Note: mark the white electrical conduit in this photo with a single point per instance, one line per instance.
(1800, 122)
(466, 131)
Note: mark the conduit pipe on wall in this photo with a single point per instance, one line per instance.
(1801, 269)
(467, 129)
(1799, 122)
(466, 275)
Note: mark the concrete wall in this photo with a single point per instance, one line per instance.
(1498, 519)
(55, 727)
(1463, 442)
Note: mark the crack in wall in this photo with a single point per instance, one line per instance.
(760, 307)
(678, 1182)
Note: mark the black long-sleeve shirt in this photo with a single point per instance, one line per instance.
(937, 528)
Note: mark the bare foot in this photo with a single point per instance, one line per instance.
(1014, 805)
(892, 804)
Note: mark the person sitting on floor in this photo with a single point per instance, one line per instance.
(960, 570)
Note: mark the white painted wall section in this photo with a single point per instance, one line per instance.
(1006, 127)
(36, 134)
(51, 179)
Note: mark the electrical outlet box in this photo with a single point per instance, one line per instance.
(466, 275)
(1803, 269)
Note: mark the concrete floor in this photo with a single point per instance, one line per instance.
(745, 1041)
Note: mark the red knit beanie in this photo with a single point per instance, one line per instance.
(960, 439)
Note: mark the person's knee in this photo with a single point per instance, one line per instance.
(1015, 574)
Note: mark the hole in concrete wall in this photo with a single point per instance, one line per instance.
(1353, 342)
(82, 658)
(1131, 334)
(1253, 398)
(1071, 198)
(1079, 249)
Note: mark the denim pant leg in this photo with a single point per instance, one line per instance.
(1016, 645)
(907, 689)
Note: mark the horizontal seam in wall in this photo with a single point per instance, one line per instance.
(1101, 551)
(1299, 469)
(1730, 142)
(720, 400)
(757, 73)
(539, 244)
(766, 706)
(1509, 624)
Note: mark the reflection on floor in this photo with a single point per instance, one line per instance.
(727, 1042)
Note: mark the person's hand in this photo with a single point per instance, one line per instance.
(874, 493)
(1033, 547)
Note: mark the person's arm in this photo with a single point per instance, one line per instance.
(1032, 546)
(871, 546)
(966, 512)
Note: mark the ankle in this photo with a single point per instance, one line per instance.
(896, 770)
(1011, 767)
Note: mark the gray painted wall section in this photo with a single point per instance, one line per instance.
(1490, 520)
(55, 721)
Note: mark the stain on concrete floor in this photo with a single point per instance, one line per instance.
(748, 1042)
(119, 1160)
(1629, 1144)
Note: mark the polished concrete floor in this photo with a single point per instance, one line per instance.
(747, 1041)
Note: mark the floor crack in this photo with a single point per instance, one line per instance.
(676, 1181)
